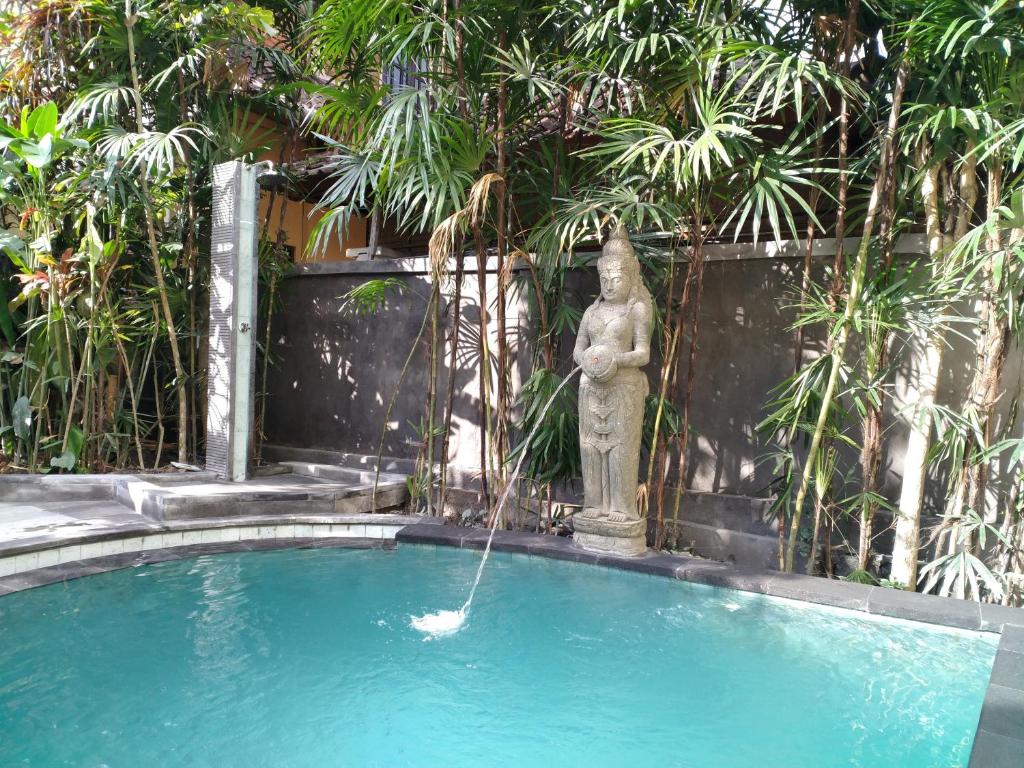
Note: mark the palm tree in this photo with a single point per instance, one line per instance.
(659, 111)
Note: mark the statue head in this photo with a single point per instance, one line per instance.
(619, 269)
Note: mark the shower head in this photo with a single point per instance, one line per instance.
(271, 177)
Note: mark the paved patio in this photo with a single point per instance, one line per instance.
(64, 519)
(77, 517)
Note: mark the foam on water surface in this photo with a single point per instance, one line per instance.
(438, 624)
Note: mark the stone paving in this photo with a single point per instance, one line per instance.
(58, 520)
(54, 512)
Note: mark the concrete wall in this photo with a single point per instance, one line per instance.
(335, 372)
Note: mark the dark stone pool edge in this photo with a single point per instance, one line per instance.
(999, 740)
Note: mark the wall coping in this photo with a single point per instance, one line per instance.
(911, 244)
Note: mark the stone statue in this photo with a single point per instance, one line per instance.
(614, 342)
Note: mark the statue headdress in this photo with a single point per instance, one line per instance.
(617, 255)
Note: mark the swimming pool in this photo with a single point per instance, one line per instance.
(306, 658)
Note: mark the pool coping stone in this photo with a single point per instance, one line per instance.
(881, 601)
(144, 526)
(998, 742)
(63, 572)
(999, 739)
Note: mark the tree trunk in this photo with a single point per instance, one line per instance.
(154, 251)
(876, 358)
(929, 345)
(845, 58)
(993, 336)
(849, 36)
(501, 195)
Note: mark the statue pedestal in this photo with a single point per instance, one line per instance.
(599, 535)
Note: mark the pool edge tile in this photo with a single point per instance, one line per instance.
(994, 751)
(812, 589)
(1002, 712)
(932, 609)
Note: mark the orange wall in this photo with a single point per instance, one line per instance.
(299, 223)
(299, 218)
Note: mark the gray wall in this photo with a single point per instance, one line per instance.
(335, 372)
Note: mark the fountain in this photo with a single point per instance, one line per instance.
(442, 623)
(612, 345)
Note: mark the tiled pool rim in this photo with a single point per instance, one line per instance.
(999, 740)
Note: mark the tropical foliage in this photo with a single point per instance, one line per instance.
(514, 133)
(112, 116)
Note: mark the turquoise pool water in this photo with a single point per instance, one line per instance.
(306, 658)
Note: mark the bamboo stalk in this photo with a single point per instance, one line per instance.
(502, 407)
(460, 265)
(485, 365)
(657, 443)
(932, 342)
(128, 377)
(154, 251)
(856, 286)
(691, 368)
(435, 308)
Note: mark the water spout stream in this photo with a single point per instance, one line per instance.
(447, 622)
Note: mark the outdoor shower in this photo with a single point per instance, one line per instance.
(234, 263)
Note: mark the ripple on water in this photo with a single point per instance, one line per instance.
(307, 658)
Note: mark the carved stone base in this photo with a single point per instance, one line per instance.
(598, 535)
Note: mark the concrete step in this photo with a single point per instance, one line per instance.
(276, 495)
(51, 488)
(341, 474)
(359, 461)
(743, 514)
(744, 549)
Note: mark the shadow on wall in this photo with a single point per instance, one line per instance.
(954, 383)
(335, 372)
(745, 349)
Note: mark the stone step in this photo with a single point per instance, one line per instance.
(31, 488)
(359, 461)
(343, 474)
(276, 495)
(743, 514)
(744, 549)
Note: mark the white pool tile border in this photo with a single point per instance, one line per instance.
(44, 558)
